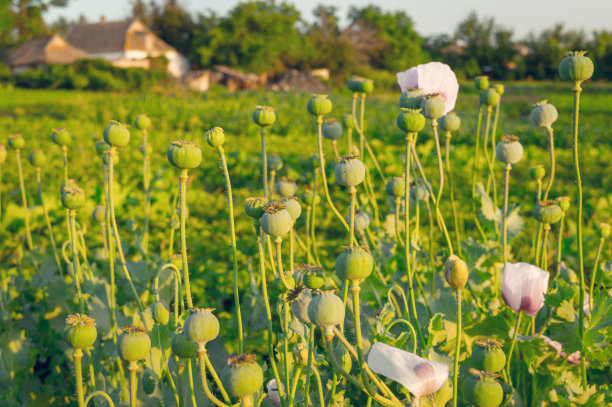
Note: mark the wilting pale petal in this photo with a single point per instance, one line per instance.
(524, 286)
(574, 358)
(273, 395)
(420, 376)
(433, 77)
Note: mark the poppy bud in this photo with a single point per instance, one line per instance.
(564, 203)
(456, 272)
(73, 198)
(489, 97)
(410, 120)
(99, 214)
(215, 137)
(264, 116)
(367, 85)
(182, 348)
(421, 193)
(433, 106)
(449, 122)
(576, 67)
(604, 230)
(276, 220)
(362, 221)
(3, 154)
(116, 134)
(279, 286)
(275, 162)
(396, 187)
(133, 344)
(16, 141)
(543, 114)
(142, 122)
(488, 355)
(149, 381)
(184, 154)
(332, 129)
(411, 99)
(499, 88)
(481, 83)
(61, 137)
(344, 358)
(242, 376)
(300, 353)
(354, 263)
(310, 198)
(547, 212)
(319, 105)
(354, 84)
(102, 147)
(160, 312)
(347, 121)
(326, 310)
(314, 278)
(81, 331)
(537, 172)
(254, 207)
(509, 150)
(201, 326)
(349, 171)
(286, 187)
(38, 158)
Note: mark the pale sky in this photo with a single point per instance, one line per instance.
(430, 16)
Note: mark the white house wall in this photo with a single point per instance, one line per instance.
(178, 65)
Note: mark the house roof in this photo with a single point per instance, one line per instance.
(50, 49)
(116, 36)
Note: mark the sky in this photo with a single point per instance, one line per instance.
(430, 16)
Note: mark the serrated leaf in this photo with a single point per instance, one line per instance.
(559, 292)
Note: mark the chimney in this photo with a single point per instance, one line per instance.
(103, 19)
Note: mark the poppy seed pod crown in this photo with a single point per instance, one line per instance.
(81, 331)
(509, 150)
(264, 116)
(319, 105)
(350, 171)
(543, 114)
(576, 66)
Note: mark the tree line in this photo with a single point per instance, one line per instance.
(271, 36)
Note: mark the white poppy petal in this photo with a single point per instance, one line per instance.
(534, 286)
(436, 77)
(408, 79)
(420, 376)
(511, 285)
(272, 388)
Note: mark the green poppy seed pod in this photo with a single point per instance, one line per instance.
(314, 161)
(347, 121)
(184, 155)
(73, 198)
(264, 116)
(279, 286)
(500, 88)
(604, 230)
(354, 84)
(326, 310)
(299, 298)
(537, 172)
(543, 114)
(332, 129)
(509, 150)
(410, 120)
(161, 314)
(276, 220)
(396, 186)
(349, 171)
(344, 358)
(481, 83)
(182, 348)
(411, 99)
(421, 193)
(456, 272)
(576, 66)
(286, 187)
(142, 122)
(99, 214)
(319, 105)
(547, 212)
(275, 162)
(149, 381)
(310, 198)
(449, 122)
(488, 355)
(38, 158)
(81, 331)
(146, 149)
(300, 353)
(354, 264)
(482, 390)
(3, 154)
(61, 136)
(254, 207)
(242, 376)
(116, 134)
(201, 326)
(314, 279)
(489, 97)
(293, 207)
(215, 137)
(102, 147)
(16, 141)
(133, 344)
(69, 183)
(564, 203)
(433, 106)
(362, 221)
(367, 86)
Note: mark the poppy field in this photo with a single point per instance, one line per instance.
(446, 245)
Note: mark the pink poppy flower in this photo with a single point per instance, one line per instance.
(433, 77)
(420, 376)
(523, 287)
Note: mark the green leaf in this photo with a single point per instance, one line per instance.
(558, 292)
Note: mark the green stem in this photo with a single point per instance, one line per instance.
(396, 213)
(191, 386)
(77, 355)
(475, 164)
(320, 388)
(99, 393)
(315, 251)
(183, 198)
(202, 355)
(308, 236)
(516, 329)
(146, 176)
(308, 364)
(264, 163)
(291, 249)
(594, 274)
(452, 191)
(353, 194)
(434, 125)
(507, 169)
(560, 245)
(457, 349)
(75, 260)
(551, 143)
(285, 317)
(544, 260)
(47, 221)
(133, 369)
(234, 249)
(24, 201)
(294, 384)
(92, 373)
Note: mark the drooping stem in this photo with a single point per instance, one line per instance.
(183, 215)
(47, 221)
(279, 262)
(111, 201)
(551, 143)
(133, 369)
(77, 355)
(594, 273)
(285, 317)
(24, 201)
(92, 373)
(324, 176)
(75, 259)
(507, 169)
(230, 205)
(264, 162)
(516, 329)
(99, 393)
(457, 349)
(202, 356)
(452, 191)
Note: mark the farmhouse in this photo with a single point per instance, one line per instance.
(51, 49)
(126, 44)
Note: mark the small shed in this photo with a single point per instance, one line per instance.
(51, 49)
(198, 80)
